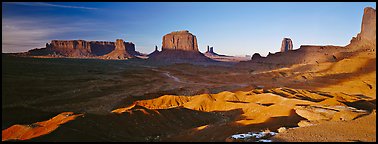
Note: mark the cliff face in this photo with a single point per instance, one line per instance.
(180, 40)
(368, 26)
(130, 48)
(120, 51)
(71, 48)
(99, 48)
(87, 49)
(179, 46)
(367, 36)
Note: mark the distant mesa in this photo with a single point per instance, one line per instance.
(179, 46)
(86, 49)
(286, 45)
(211, 54)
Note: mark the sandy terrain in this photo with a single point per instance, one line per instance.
(137, 100)
(360, 130)
(25, 132)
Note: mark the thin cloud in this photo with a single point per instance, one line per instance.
(23, 34)
(50, 5)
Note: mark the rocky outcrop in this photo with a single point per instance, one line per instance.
(86, 49)
(154, 52)
(368, 26)
(210, 52)
(99, 48)
(130, 48)
(71, 48)
(256, 56)
(286, 45)
(180, 40)
(120, 51)
(179, 46)
(367, 36)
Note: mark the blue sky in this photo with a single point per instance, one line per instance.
(231, 28)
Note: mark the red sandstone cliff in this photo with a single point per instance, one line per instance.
(86, 49)
(180, 40)
(367, 36)
(179, 46)
(120, 51)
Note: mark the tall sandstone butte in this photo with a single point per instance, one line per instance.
(286, 45)
(367, 36)
(120, 51)
(368, 26)
(180, 40)
(179, 46)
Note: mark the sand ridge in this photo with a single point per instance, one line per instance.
(25, 132)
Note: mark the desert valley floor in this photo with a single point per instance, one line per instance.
(63, 99)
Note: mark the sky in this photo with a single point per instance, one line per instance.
(237, 29)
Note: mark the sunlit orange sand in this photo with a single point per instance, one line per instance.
(259, 107)
(24, 132)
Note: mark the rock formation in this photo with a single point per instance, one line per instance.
(130, 48)
(256, 56)
(86, 49)
(120, 50)
(179, 46)
(180, 40)
(313, 54)
(367, 36)
(71, 48)
(368, 26)
(210, 53)
(154, 52)
(286, 45)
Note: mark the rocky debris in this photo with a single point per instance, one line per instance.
(281, 129)
(305, 123)
(315, 114)
(286, 45)
(120, 51)
(252, 137)
(179, 46)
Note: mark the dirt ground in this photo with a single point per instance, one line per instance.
(330, 101)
